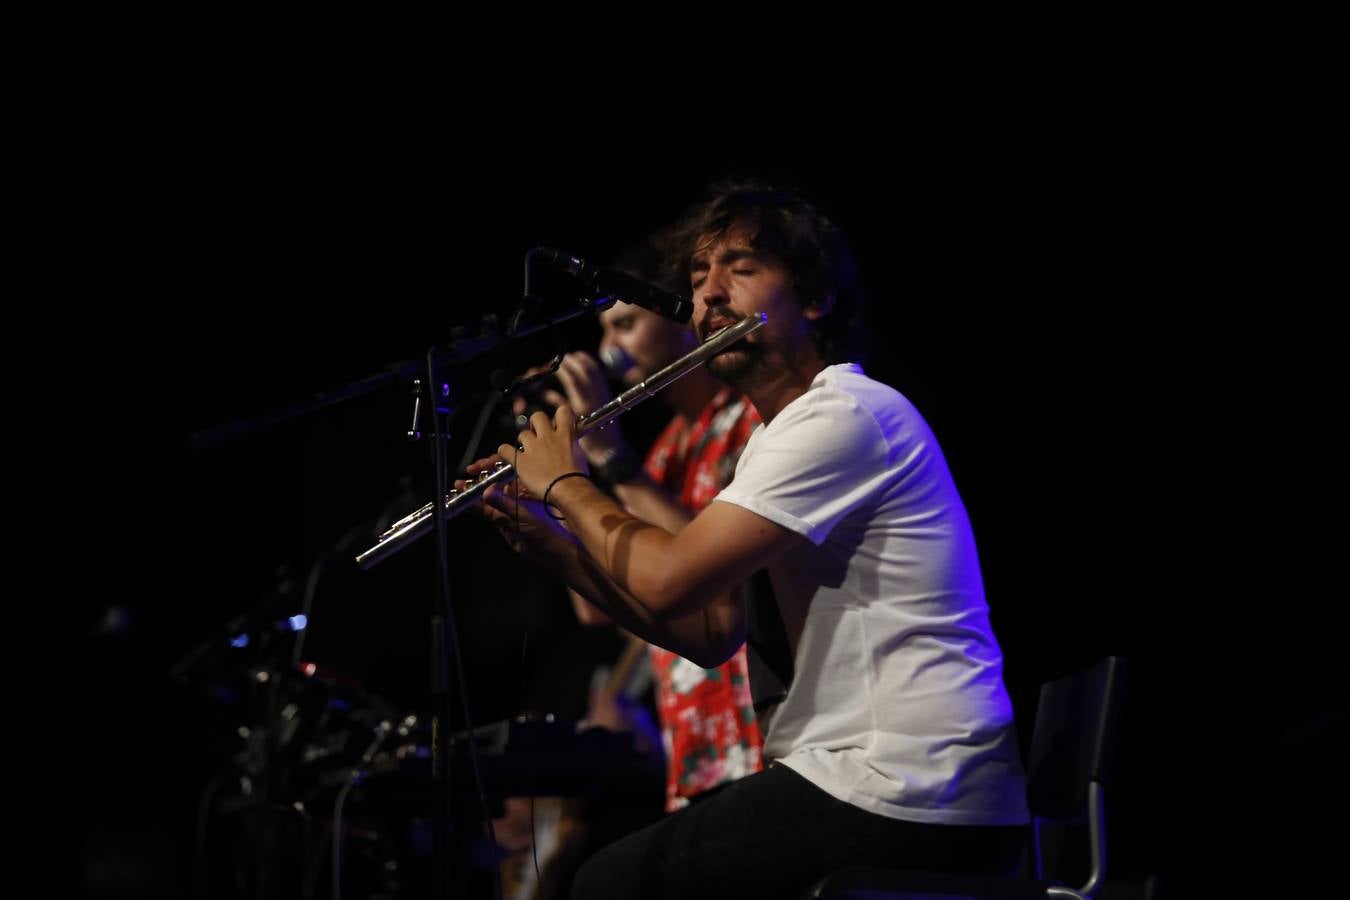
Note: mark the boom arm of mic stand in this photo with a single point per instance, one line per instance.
(396, 373)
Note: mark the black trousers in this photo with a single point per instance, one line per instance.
(772, 835)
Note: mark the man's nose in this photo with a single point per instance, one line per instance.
(713, 290)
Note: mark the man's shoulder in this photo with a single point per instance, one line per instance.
(850, 379)
(845, 390)
(847, 414)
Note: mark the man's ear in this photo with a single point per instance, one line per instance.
(820, 308)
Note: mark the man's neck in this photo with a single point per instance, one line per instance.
(773, 393)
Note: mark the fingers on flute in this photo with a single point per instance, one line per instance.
(486, 462)
(495, 505)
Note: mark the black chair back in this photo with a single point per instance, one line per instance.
(1073, 742)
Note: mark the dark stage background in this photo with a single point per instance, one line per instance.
(1103, 255)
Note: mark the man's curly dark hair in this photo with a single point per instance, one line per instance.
(781, 223)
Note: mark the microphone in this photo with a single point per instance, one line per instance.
(615, 361)
(622, 287)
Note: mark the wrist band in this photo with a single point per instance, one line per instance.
(550, 487)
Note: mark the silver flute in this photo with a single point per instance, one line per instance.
(421, 522)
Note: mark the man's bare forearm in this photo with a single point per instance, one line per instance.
(706, 637)
(635, 555)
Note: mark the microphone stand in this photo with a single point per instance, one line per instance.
(446, 659)
(447, 669)
(445, 652)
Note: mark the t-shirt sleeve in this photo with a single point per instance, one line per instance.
(823, 456)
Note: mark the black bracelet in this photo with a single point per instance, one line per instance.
(550, 487)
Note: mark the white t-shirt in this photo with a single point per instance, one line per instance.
(898, 704)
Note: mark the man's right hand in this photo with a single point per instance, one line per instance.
(520, 517)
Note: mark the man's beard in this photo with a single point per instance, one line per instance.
(738, 365)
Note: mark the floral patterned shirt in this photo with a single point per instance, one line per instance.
(708, 720)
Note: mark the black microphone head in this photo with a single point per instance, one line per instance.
(611, 284)
(568, 263)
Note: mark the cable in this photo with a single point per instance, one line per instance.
(529, 785)
(337, 831)
(480, 426)
(203, 816)
(358, 772)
